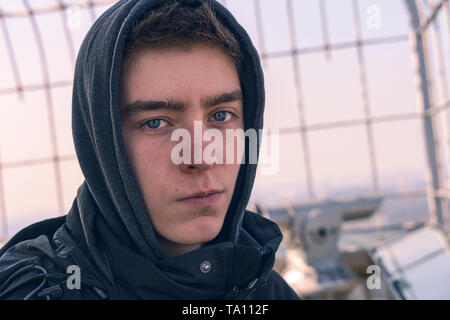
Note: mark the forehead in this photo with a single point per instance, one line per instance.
(179, 73)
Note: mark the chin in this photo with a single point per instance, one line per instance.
(202, 230)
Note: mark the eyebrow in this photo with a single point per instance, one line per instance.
(140, 106)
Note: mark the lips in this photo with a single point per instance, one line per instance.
(202, 199)
(201, 194)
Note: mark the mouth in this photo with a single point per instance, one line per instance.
(203, 198)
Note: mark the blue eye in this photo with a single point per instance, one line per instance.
(155, 123)
(221, 115)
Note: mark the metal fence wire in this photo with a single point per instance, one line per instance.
(423, 29)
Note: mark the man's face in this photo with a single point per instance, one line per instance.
(189, 81)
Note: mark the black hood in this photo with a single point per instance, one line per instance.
(107, 231)
(110, 187)
(109, 215)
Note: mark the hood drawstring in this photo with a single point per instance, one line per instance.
(44, 280)
(51, 292)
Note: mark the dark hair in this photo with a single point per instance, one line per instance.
(178, 24)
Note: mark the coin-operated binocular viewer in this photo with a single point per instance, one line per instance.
(312, 262)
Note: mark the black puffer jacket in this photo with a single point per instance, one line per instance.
(107, 232)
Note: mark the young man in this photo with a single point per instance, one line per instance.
(144, 226)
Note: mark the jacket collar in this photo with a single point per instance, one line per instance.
(217, 271)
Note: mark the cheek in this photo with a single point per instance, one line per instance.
(149, 160)
(227, 174)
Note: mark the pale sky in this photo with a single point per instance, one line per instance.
(330, 92)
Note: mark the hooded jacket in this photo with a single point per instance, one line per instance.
(107, 233)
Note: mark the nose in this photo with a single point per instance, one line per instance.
(197, 147)
(195, 167)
